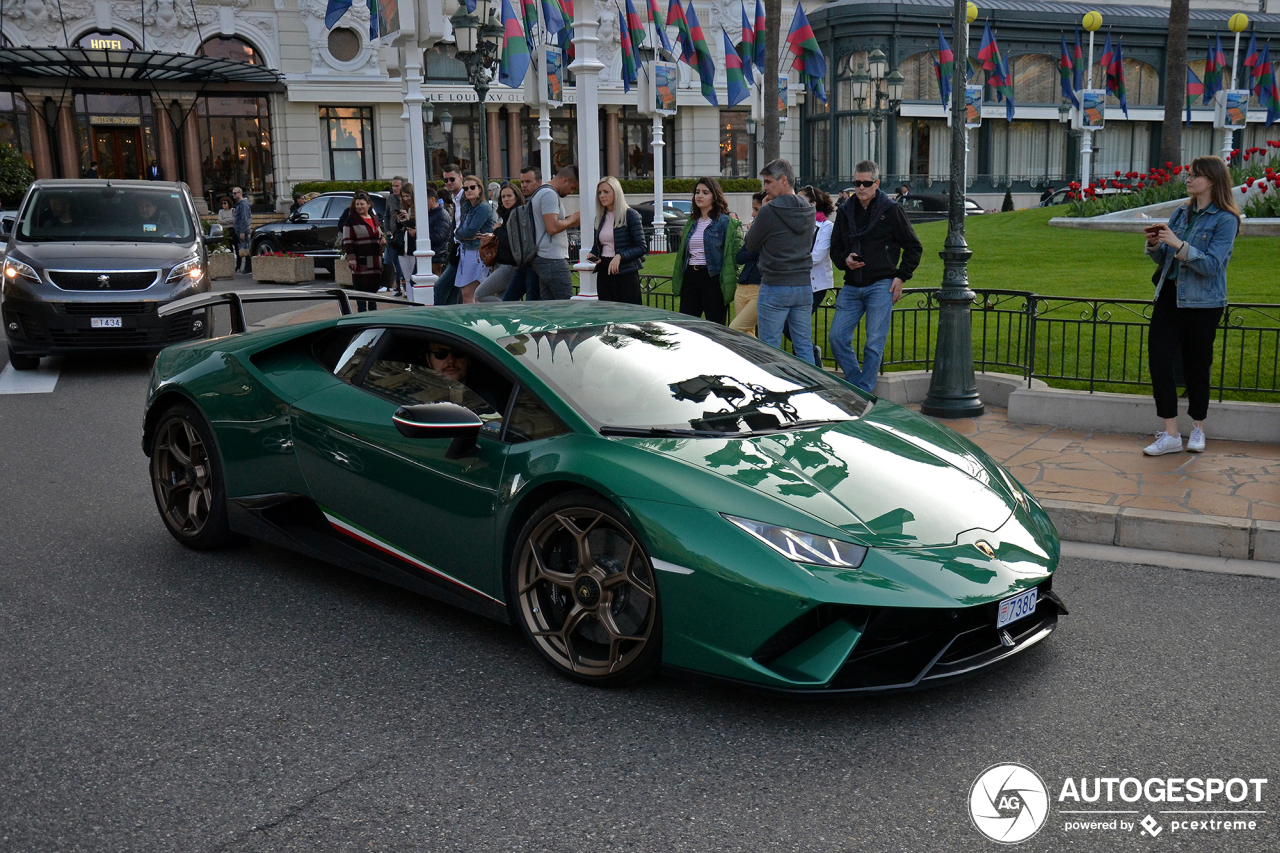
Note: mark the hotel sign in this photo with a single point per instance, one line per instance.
(115, 121)
(105, 41)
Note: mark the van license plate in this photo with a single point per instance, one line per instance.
(104, 323)
(1013, 609)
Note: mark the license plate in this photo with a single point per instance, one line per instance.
(104, 323)
(1013, 609)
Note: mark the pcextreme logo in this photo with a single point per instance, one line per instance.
(1009, 803)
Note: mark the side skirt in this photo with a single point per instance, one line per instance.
(297, 523)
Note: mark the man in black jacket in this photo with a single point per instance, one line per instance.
(874, 243)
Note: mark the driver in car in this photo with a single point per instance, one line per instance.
(451, 364)
(58, 213)
(149, 215)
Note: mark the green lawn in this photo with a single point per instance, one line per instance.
(1020, 251)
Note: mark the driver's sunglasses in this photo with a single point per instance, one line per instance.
(442, 353)
(865, 183)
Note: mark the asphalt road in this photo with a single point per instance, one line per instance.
(153, 698)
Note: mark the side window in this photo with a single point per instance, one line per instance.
(315, 208)
(414, 368)
(531, 420)
(355, 354)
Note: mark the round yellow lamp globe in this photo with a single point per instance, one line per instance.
(1238, 23)
(971, 12)
(1092, 21)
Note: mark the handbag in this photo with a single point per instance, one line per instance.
(488, 249)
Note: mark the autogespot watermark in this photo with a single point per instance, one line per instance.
(1010, 803)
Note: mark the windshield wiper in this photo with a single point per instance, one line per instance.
(651, 432)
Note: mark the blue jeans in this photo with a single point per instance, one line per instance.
(446, 293)
(876, 301)
(524, 285)
(781, 306)
(555, 279)
(391, 259)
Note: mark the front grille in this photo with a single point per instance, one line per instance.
(92, 280)
(104, 309)
(180, 328)
(29, 327)
(90, 338)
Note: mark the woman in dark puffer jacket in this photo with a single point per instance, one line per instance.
(619, 247)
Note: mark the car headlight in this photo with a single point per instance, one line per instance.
(14, 270)
(189, 269)
(803, 547)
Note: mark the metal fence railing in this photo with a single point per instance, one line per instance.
(1090, 344)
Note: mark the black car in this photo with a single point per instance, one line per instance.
(89, 263)
(313, 229)
(674, 214)
(931, 208)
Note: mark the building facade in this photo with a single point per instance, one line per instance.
(1037, 149)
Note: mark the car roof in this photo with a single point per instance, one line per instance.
(497, 320)
(71, 183)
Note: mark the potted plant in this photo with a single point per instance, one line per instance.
(283, 268)
(222, 263)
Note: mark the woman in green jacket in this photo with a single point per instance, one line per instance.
(706, 274)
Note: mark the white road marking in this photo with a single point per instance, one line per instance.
(40, 381)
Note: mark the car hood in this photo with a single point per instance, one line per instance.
(892, 479)
(102, 256)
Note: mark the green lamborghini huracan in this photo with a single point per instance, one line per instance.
(634, 488)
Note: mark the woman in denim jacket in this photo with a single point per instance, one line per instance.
(475, 217)
(1192, 251)
(706, 273)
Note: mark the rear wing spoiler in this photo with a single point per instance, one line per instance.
(236, 300)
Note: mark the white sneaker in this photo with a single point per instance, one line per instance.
(1163, 444)
(1195, 443)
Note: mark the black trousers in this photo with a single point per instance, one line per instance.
(623, 287)
(1191, 333)
(700, 295)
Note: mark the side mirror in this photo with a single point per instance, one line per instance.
(216, 233)
(440, 420)
(299, 217)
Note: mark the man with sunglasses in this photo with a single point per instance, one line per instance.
(446, 293)
(875, 245)
(451, 364)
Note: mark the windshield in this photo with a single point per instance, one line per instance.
(685, 378)
(106, 214)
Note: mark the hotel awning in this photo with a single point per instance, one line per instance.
(82, 66)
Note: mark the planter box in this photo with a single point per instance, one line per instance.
(222, 265)
(341, 273)
(283, 270)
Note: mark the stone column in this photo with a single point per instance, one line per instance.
(494, 137)
(191, 153)
(164, 141)
(68, 145)
(515, 140)
(612, 161)
(41, 153)
(586, 69)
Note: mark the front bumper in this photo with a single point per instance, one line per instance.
(42, 328)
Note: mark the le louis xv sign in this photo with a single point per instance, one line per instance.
(510, 96)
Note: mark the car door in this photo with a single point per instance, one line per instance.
(401, 496)
(297, 233)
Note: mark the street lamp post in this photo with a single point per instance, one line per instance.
(953, 390)
(477, 45)
(881, 90)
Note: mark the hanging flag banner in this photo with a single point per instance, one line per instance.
(554, 69)
(1195, 88)
(1232, 110)
(782, 95)
(1093, 109)
(666, 79)
(973, 105)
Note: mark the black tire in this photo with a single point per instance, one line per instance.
(265, 247)
(187, 481)
(601, 625)
(23, 362)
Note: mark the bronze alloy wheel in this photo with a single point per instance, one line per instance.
(186, 478)
(183, 477)
(586, 594)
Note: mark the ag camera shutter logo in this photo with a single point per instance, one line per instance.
(1008, 803)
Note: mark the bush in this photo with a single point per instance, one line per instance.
(1008, 202)
(348, 186)
(15, 173)
(644, 186)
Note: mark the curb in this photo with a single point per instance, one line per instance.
(1157, 530)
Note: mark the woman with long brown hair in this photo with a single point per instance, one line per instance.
(1192, 252)
(706, 273)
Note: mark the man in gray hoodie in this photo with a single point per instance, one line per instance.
(783, 234)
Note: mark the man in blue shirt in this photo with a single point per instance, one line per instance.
(243, 222)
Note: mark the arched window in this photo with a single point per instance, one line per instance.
(920, 79)
(1035, 80)
(1141, 83)
(230, 47)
